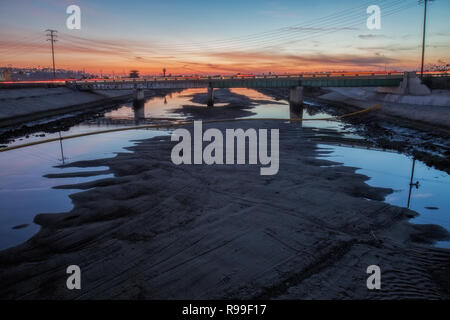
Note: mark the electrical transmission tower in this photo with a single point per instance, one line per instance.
(425, 2)
(51, 35)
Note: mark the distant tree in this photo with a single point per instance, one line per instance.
(164, 72)
(134, 74)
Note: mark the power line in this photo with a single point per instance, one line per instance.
(18, 42)
(52, 35)
(12, 49)
(315, 26)
(290, 35)
(386, 13)
(277, 32)
(326, 25)
(324, 28)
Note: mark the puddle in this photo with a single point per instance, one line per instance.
(281, 109)
(24, 192)
(393, 170)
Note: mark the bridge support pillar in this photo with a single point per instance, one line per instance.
(138, 95)
(296, 97)
(210, 96)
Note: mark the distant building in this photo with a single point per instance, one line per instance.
(134, 74)
(5, 75)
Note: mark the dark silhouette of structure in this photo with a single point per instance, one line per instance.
(52, 35)
(134, 74)
(425, 2)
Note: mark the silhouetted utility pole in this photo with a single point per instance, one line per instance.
(52, 39)
(61, 148)
(423, 35)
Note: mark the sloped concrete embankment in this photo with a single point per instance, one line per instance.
(27, 104)
(428, 110)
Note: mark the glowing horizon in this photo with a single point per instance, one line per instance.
(205, 38)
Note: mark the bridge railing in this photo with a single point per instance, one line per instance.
(324, 75)
(295, 76)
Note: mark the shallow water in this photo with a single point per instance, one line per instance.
(393, 170)
(281, 109)
(124, 116)
(24, 192)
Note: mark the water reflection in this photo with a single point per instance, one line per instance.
(125, 115)
(155, 108)
(139, 111)
(165, 108)
(62, 159)
(24, 192)
(428, 195)
(411, 184)
(296, 112)
(269, 108)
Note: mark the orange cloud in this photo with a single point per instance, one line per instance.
(121, 55)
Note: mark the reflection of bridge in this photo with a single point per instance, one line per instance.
(295, 83)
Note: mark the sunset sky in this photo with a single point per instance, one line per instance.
(223, 37)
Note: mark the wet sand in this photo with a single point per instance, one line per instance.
(161, 231)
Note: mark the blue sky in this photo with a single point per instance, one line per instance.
(227, 36)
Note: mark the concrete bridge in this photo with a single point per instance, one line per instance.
(294, 83)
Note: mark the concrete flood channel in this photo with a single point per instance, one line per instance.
(25, 191)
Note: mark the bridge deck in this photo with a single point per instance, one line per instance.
(253, 82)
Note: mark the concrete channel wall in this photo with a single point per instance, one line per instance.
(28, 104)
